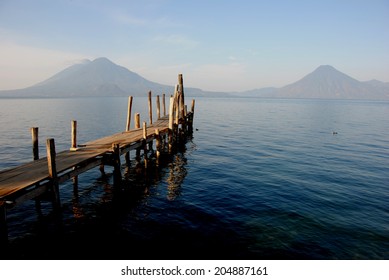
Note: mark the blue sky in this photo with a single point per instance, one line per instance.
(217, 45)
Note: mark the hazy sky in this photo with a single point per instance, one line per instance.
(217, 45)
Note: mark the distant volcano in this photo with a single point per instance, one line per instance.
(99, 77)
(328, 83)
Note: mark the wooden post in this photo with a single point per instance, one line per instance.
(137, 126)
(51, 164)
(145, 143)
(137, 120)
(193, 106)
(73, 146)
(35, 154)
(171, 124)
(128, 126)
(157, 144)
(181, 98)
(102, 170)
(35, 146)
(171, 113)
(190, 118)
(181, 83)
(75, 184)
(150, 109)
(158, 108)
(3, 225)
(176, 107)
(117, 174)
(144, 130)
(163, 105)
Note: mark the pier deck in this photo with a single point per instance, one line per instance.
(16, 181)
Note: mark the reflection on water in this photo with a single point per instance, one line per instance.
(177, 173)
(94, 202)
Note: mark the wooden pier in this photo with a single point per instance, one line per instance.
(43, 175)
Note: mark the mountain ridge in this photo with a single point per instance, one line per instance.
(102, 77)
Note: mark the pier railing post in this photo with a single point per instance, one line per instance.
(51, 164)
(35, 153)
(176, 105)
(157, 144)
(128, 127)
(145, 144)
(190, 118)
(137, 126)
(73, 146)
(35, 146)
(150, 109)
(163, 104)
(181, 83)
(171, 124)
(158, 107)
(137, 120)
(117, 174)
(129, 109)
(181, 96)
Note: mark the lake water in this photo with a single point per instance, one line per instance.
(260, 179)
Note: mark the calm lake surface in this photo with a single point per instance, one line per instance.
(260, 179)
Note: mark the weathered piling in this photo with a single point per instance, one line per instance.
(35, 155)
(190, 118)
(150, 109)
(158, 145)
(176, 106)
(35, 146)
(181, 98)
(128, 127)
(158, 107)
(171, 124)
(117, 174)
(163, 104)
(137, 120)
(137, 126)
(73, 146)
(52, 168)
(144, 144)
(129, 109)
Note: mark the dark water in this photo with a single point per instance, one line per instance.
(260, 179)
